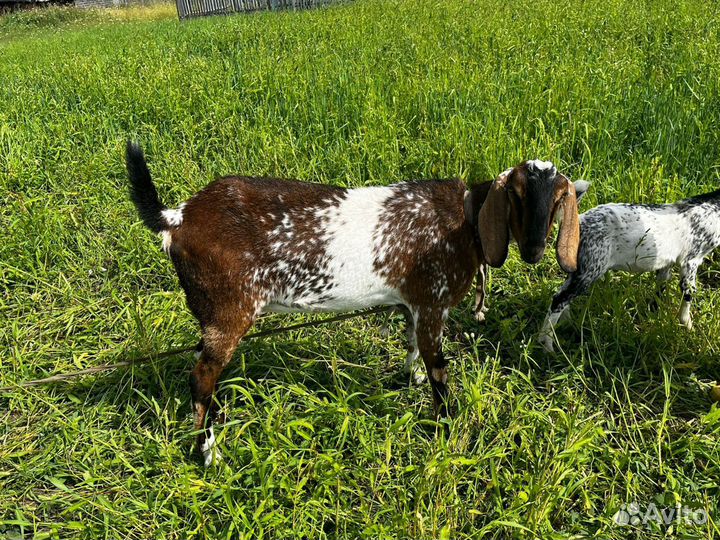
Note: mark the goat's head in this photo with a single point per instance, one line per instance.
(523, 201)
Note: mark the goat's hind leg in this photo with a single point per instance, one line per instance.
(219, 340)
(662, 276)
(198, 349)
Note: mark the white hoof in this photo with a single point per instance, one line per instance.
(480, 316)
(418, 375)
(547, 343)
(211, 455)
(415, 369)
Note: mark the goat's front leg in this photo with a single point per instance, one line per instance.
(480, 292)
(688, 275)
(429, 330)
(218, 344)
(412, 367)
(575, 285)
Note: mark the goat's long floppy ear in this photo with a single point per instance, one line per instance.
(568, 241)
(493, 226)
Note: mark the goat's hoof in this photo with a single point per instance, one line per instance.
(480, 316)
(547, 344)
(212, 457)
(418, 376)
(687, 324)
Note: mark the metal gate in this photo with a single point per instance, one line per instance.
(199, 8)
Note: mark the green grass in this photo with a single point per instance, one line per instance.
(324, 439)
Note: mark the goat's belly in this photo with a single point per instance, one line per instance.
(331, 305)
(347, 296)
(323, 305)
(645, 252)
(643, 263)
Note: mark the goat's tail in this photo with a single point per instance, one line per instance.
(142, 189)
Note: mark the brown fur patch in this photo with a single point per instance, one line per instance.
(216, 254)
(430, 256)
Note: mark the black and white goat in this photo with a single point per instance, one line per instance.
(243, 246)
(641, 238)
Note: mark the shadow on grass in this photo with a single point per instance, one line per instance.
(614, 336)
(634, 362)
(303, 362)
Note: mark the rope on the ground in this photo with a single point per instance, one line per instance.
(59, 377)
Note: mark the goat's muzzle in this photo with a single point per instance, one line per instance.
(532, 254)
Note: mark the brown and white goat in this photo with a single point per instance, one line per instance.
(243, 246)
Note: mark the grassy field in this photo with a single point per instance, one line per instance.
(325, 438)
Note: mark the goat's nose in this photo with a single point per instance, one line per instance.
(533, 254)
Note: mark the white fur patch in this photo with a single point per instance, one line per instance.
(352, 250)
(540, 165)
(348, 231)
(209, 441)
(685, 318)
(166, 241)
(174, 217)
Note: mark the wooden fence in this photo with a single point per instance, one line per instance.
(199, 8)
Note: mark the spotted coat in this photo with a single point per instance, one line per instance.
(243, 246)
(641, 238)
